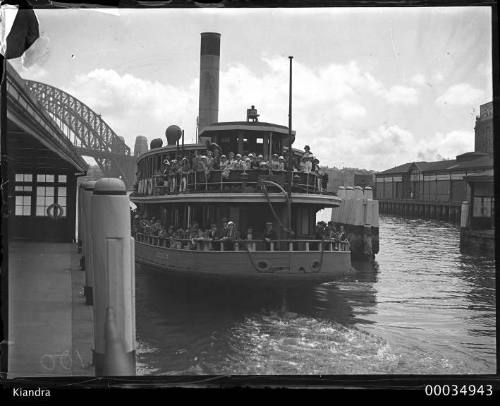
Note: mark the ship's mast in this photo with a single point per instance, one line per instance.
(290, 172)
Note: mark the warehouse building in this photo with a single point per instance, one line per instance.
(437, 189)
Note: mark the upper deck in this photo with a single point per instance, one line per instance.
(240, 157)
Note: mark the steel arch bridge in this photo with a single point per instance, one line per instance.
(89, 133)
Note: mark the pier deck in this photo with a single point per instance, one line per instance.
(50, 327)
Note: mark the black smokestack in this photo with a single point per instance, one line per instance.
(209, 79)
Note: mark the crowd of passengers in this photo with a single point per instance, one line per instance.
(175, 171)
(229, 233)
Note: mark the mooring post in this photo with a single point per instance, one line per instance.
(114, 280)
(464, 215)
(88, 189)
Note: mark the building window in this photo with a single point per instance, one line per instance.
(23, 189)
(24, 177)
(44, 198)
(42, 178)
(49, 192)
(483, 206)
(23, 205)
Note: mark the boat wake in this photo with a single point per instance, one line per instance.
(288, 343)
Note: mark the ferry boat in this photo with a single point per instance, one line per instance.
(250, 198)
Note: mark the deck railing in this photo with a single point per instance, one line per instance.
(236, 181)
(243, 245)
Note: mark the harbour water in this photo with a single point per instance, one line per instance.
(420, 308)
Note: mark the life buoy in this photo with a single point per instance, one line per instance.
(55, 211)
(315, 266)
(263, 265)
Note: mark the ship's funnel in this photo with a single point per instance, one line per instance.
(141, 145)
(209, 80)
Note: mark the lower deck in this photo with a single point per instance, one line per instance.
(322, 261)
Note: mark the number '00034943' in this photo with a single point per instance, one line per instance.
(458, 390)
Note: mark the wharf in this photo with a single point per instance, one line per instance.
(423, 209)
(50, 327)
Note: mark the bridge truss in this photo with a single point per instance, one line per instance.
(87, 131)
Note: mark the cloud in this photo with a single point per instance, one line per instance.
(447, 145)
(418, 79)
(133, 106)
(485, 69)
(388, 146)
(336, 109)
(34, 72)
(437, 77)
(401, 95)
(462, 94)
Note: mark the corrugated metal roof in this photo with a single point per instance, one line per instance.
(451, 165)
(401, 168)
(49, 133)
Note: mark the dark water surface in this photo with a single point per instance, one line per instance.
(420, 308)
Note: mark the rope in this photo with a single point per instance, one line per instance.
(321, 257)
(264, 188)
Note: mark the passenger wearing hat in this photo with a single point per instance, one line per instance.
(257, 161)
(275, 162)
(165, 171)
(203, 171)
(215, 149)
(225, 166)
(238, 164)
(172, 176)
(307, 151)
(183, 173)
(263, 164)
(269, 235)
(223, 162)
(253, 161)
(229, 236)
(165, 166)
(247, 163)
(281, 163)
(210, 160)
(307, 163)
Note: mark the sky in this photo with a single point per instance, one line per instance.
(372, 87)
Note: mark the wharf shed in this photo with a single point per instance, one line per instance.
(430, 189)
(42, 169)
(431, 181)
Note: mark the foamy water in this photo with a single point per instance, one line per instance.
(420, 308)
